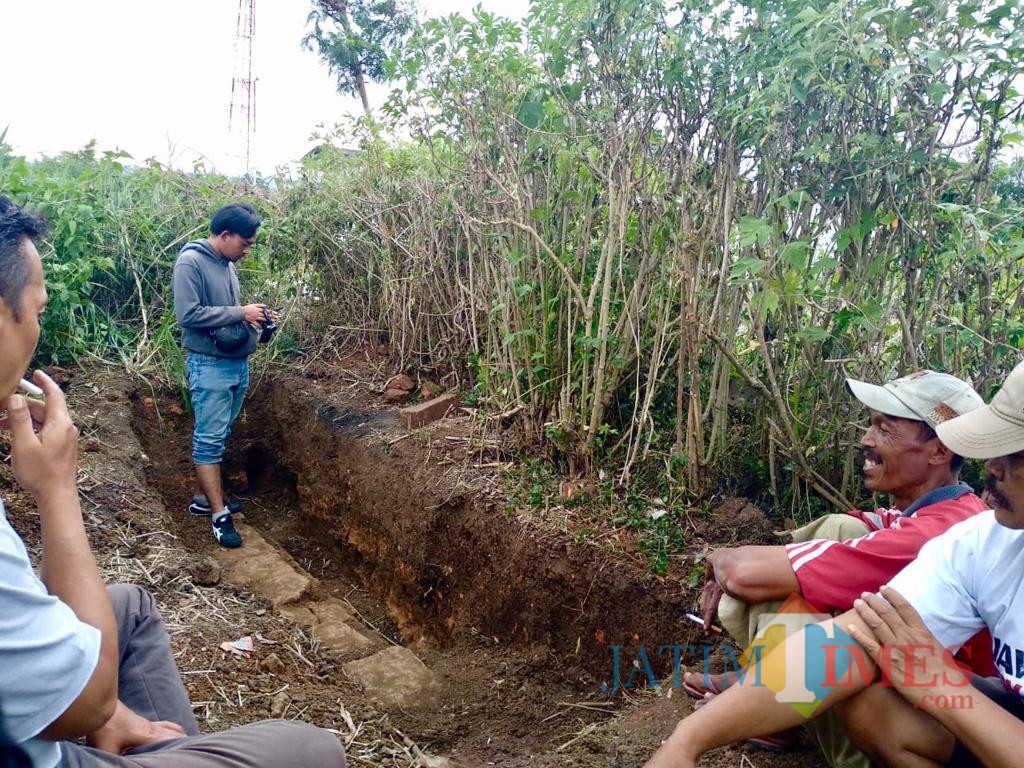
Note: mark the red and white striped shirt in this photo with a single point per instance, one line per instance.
(832, 574)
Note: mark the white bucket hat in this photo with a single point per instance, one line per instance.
(995, 430)
(927, 396)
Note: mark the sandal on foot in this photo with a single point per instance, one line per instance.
(783, 741)
(698, 691)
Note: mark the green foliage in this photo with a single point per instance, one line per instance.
(659, 531)
(654, 238)
(625, 213)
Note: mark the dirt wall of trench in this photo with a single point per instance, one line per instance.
(448, 562)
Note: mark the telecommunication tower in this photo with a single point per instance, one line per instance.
(243, 85)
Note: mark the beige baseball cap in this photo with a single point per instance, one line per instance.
(927, 396)
(995, 430)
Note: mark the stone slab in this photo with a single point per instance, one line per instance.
(331, 629)
(266, 571)
(421, 414)
(396, 678)
(331, 610)
(340, 639)
(298, 614)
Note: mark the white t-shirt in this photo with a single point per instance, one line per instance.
(46, 654)
(969, 578)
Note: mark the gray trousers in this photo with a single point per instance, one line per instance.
(149, 684)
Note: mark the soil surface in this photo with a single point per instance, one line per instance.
(413, 538)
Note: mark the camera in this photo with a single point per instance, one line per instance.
(269, 326)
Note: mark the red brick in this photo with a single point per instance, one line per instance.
(402, 382)
(418, 415)
(396, 396)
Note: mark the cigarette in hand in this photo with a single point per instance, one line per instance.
(29, 388)
(698, 620)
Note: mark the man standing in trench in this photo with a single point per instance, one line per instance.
(79, 661)
(218, 335)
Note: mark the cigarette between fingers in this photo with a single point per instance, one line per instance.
(698, 620)
(29, 388)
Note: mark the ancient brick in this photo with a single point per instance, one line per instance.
(397, 679)
(396, 396)
(430, 390)
(340, 639)
(402, 382)
(418, 415)
(259, 566)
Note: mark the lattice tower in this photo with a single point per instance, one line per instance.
(243, 84)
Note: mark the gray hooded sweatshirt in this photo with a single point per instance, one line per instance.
(206, 296)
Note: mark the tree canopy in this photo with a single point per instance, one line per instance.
(356, 37)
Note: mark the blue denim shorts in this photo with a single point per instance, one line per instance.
(217, 386)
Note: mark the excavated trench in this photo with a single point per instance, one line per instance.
(477, 593)
(447, 563)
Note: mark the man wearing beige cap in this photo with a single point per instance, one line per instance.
(969, 579)
(916, 708)
(836, 558)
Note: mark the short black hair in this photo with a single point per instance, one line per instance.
(928, 433)
(236, 219)
(15, 225)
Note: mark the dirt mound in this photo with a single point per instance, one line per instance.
(737, 521)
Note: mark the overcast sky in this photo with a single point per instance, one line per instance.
(154, 78)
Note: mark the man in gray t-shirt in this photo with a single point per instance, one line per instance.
(218, 335)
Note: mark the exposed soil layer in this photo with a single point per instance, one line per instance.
(496, 697)
(412, 535)
(449, 561)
